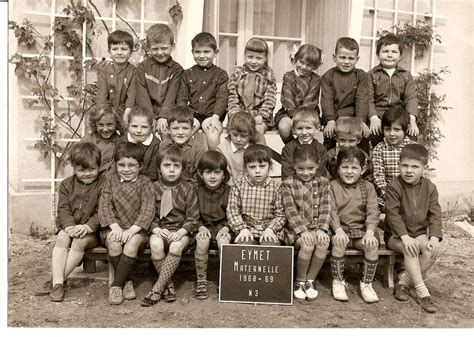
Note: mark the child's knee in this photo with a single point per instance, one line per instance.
(371, 252)
(306, 250)
(338, 251)
(114, 248)
(284, 126)
(63, 240)
(177, 247)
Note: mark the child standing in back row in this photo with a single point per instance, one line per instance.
(300, 89)
(253, 87)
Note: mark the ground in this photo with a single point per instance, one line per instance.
(85, 305)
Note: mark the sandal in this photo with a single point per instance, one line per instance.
(169, 295)
(200, 291)
(151, 299)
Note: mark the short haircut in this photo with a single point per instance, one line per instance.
(212, 160)
(204, 39)
(415, 151)
(119, 37)
(310, 54)
(349, 154)
(304, 152)
(347, 43)
(242, 122)
(305, 115)
(172, 153)
(396, 113)
(387, 40)
(140, 111)
(257, 153)
(350, 126)
(159, 33)
(128, 150)
(84, 154)
(257, 45)
(181, 115)
(98, 113)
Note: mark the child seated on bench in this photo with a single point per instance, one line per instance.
(126, 210)
(355, 219)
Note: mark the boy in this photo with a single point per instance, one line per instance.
(305, 128)
(177, 212)
(204, 89)
(413, 223)
(116, 80)
(77, 222)
(126, 210)
(254, 210)
(180, 124)
(344, 92)
(159, 76)
(389, 85)
(348, 135)
(355, 220)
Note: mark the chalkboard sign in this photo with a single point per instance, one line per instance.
(256, 274)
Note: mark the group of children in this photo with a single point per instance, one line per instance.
(131, 189)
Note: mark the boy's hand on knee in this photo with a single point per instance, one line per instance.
(223, 234)
(244, 235)
(434, 248)
(115, 234)
(70, 231)
(322, 238)
(369, 240)
(308, 238)
(340, 238)
(411, 245)
(176, 236)
(375, 125)
(269, 235)
(203, 233)
(329, 129)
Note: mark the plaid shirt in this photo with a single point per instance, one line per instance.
(204, 90)
(185, 211)
(344, 94)
(116, 87)
(255, 207)
(385, 90)
(350, 213)
(157, 85)
(300, 92)
(127, 203)
(106, 147)
(264, 99)
(385, 159)
(307, 206)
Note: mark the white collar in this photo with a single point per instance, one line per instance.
(235, 149)
(147, 142)
(132, 181)
(311, 142)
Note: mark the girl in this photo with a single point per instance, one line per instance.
(386, 154)
(306, 200)
(253, 87)
(355, 219)
(241, 134)
(300, 89)
(140, 127)
(104, 124)
(213, 193)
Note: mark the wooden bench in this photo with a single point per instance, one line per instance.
(387, 258)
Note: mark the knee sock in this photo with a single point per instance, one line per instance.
(201, 266)
(74, 258)
(337, 268)
(315, 266)
(59, 258)
(421, 290)
(158, 264)
(168, 268)
(368, 270)
(404, 279)
(302, 266)
(114, 261)
(122, 272)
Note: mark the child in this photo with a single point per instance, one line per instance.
(389, 85)
(180, 124)
(254, 209)
(306, 200)
(344, 92)
(413, 223)
(355, 219)
(116, 80)
(253, 87)
(159, 76)
(241, 134)
(386, 154)
(126, 210)
(300, 89)
(104, 124)
(140, 127)
(305, 127)
(176, 217)
(204, 89)
(348, 134)
(77, 220)
(213, 194)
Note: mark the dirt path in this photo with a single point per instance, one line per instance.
(85, 305)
